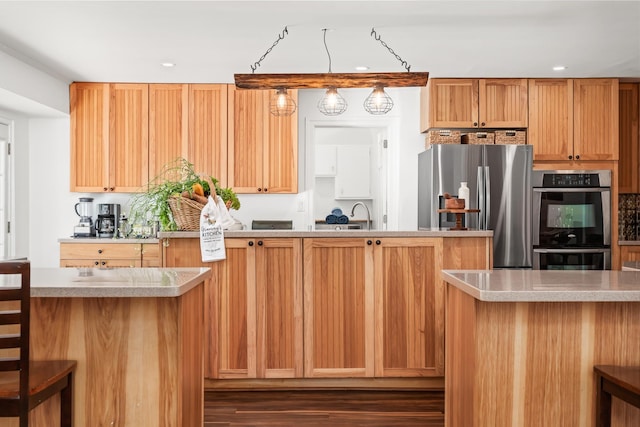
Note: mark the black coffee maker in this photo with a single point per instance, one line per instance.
(107, 222)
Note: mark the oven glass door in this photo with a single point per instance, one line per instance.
(571, 217)
(549, 259)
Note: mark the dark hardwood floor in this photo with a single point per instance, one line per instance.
(339, 408)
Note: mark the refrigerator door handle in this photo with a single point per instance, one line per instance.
(487, 191)
(480, 197)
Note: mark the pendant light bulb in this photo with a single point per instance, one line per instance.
(378, 102)
(282, 104)
(332, 103)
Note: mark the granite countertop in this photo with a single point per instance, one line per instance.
(629, 242)
(331, 233)
(111, 282)
(99, 240)
(546, 286)
(631, 266)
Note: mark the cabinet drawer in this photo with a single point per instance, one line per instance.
(101, 263)
(99, 251)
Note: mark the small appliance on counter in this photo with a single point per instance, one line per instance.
(107, 222)
(83, 209)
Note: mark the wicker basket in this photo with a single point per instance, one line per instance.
(186, 213)
(441, 136)
(478, 138)
(511, 137)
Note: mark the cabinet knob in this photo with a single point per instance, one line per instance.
(577, 157)
(99, 251)
(369, 242)
(104, 188)
(96, 263)
(112, 188)
(259, 190)
(483, 124)
(260, 243)
(251, 243)
(378, 242)
(475, 124)
(103, 263)
(570, 157)
(266, 189)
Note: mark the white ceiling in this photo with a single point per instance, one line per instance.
(211, 40)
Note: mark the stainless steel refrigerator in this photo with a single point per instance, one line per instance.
(499, 181)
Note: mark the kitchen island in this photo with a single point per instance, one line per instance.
(521, 345)
(137, 336)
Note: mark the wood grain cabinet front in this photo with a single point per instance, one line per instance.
(109, 255)
(474, 103)
(628, 176)
(573, 119)
(109, 137)
(262, 148)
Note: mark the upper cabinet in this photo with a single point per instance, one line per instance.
(109, 137)
(629, 138)
(573, 119)
(263, 148)
(474, 103)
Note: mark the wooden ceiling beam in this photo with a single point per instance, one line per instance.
(325, 80)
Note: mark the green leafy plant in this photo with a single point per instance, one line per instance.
(174, 179)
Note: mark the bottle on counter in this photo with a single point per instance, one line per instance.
(123, 227)
(463, 193)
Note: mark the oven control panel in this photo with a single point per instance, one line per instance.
(571, 179)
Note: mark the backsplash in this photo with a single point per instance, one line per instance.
(629, 216)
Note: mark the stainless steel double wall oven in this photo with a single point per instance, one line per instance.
(571, 220)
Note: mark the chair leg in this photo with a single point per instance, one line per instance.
(66, 403)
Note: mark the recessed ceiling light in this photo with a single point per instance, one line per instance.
(559, 68)
(168, 64)
(362, 68)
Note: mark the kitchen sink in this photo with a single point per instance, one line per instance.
(338, 227)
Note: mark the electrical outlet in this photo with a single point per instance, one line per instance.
(300, 205)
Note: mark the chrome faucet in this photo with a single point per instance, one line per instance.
(353, 209)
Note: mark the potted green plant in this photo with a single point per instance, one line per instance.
(179, 181)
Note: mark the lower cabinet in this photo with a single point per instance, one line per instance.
(101, 254)
(629, 253)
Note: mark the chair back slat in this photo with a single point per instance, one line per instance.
(10, 341)
(10, 364)
(10, 317)
(10, 294)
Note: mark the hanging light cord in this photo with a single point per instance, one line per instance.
(325, 46)
(375, 35)
(281, 36)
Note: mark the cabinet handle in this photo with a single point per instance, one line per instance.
(104, 263)
(369, 242)
(570, 157)
(260, 243)
(578, 157)
(475, 124)
(104, 188)
(112, 188)
(251, 243)
(96, 263)
(266, 189)
(99, 251)
(378, 242)
(483, 124)
(259, 190)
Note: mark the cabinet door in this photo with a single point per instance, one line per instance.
(551, 118)
(99, 250)
(168, 131)
(353, 179)
(629, 253)
(503, 103)
(279, 302)
(407, 274)
(449, 103)
(629, 138)
(281, 150)
(338, 298)
(128, 137)
(595, 119)
(89, 104)
(247, 133)
(151, 255)
(325, 160)
(207, 148)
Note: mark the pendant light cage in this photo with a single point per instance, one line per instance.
(332, 103)
(282, 104)
(378, 102)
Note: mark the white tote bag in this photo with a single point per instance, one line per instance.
(212, 221)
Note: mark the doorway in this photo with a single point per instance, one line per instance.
(346, 163)
(6, 185)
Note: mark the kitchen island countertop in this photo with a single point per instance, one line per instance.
(546, 286)
(436, 232)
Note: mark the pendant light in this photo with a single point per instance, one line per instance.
(332, 103)
(282, 104)
(378, 102)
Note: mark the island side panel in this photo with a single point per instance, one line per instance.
(531, 364)
(131, 353)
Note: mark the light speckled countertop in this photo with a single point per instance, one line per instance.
(330, 233)
(629, 242)
(98, 240)
(546, 286)
(112, 282)
(631, 266)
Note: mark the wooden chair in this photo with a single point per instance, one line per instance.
(23, 384)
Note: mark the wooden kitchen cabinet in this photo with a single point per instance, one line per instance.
(253, 306)
(339, 307)
(573, 119)
(101, 255)
(474, 103)
(262, 148)
(109, 137)
(629, 138)
(629, 253)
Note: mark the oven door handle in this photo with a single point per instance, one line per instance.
(572, 251)
(571, 190)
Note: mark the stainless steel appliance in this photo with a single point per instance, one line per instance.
(84, 209)
(572, 227)
(499, 181)
(107, 222)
